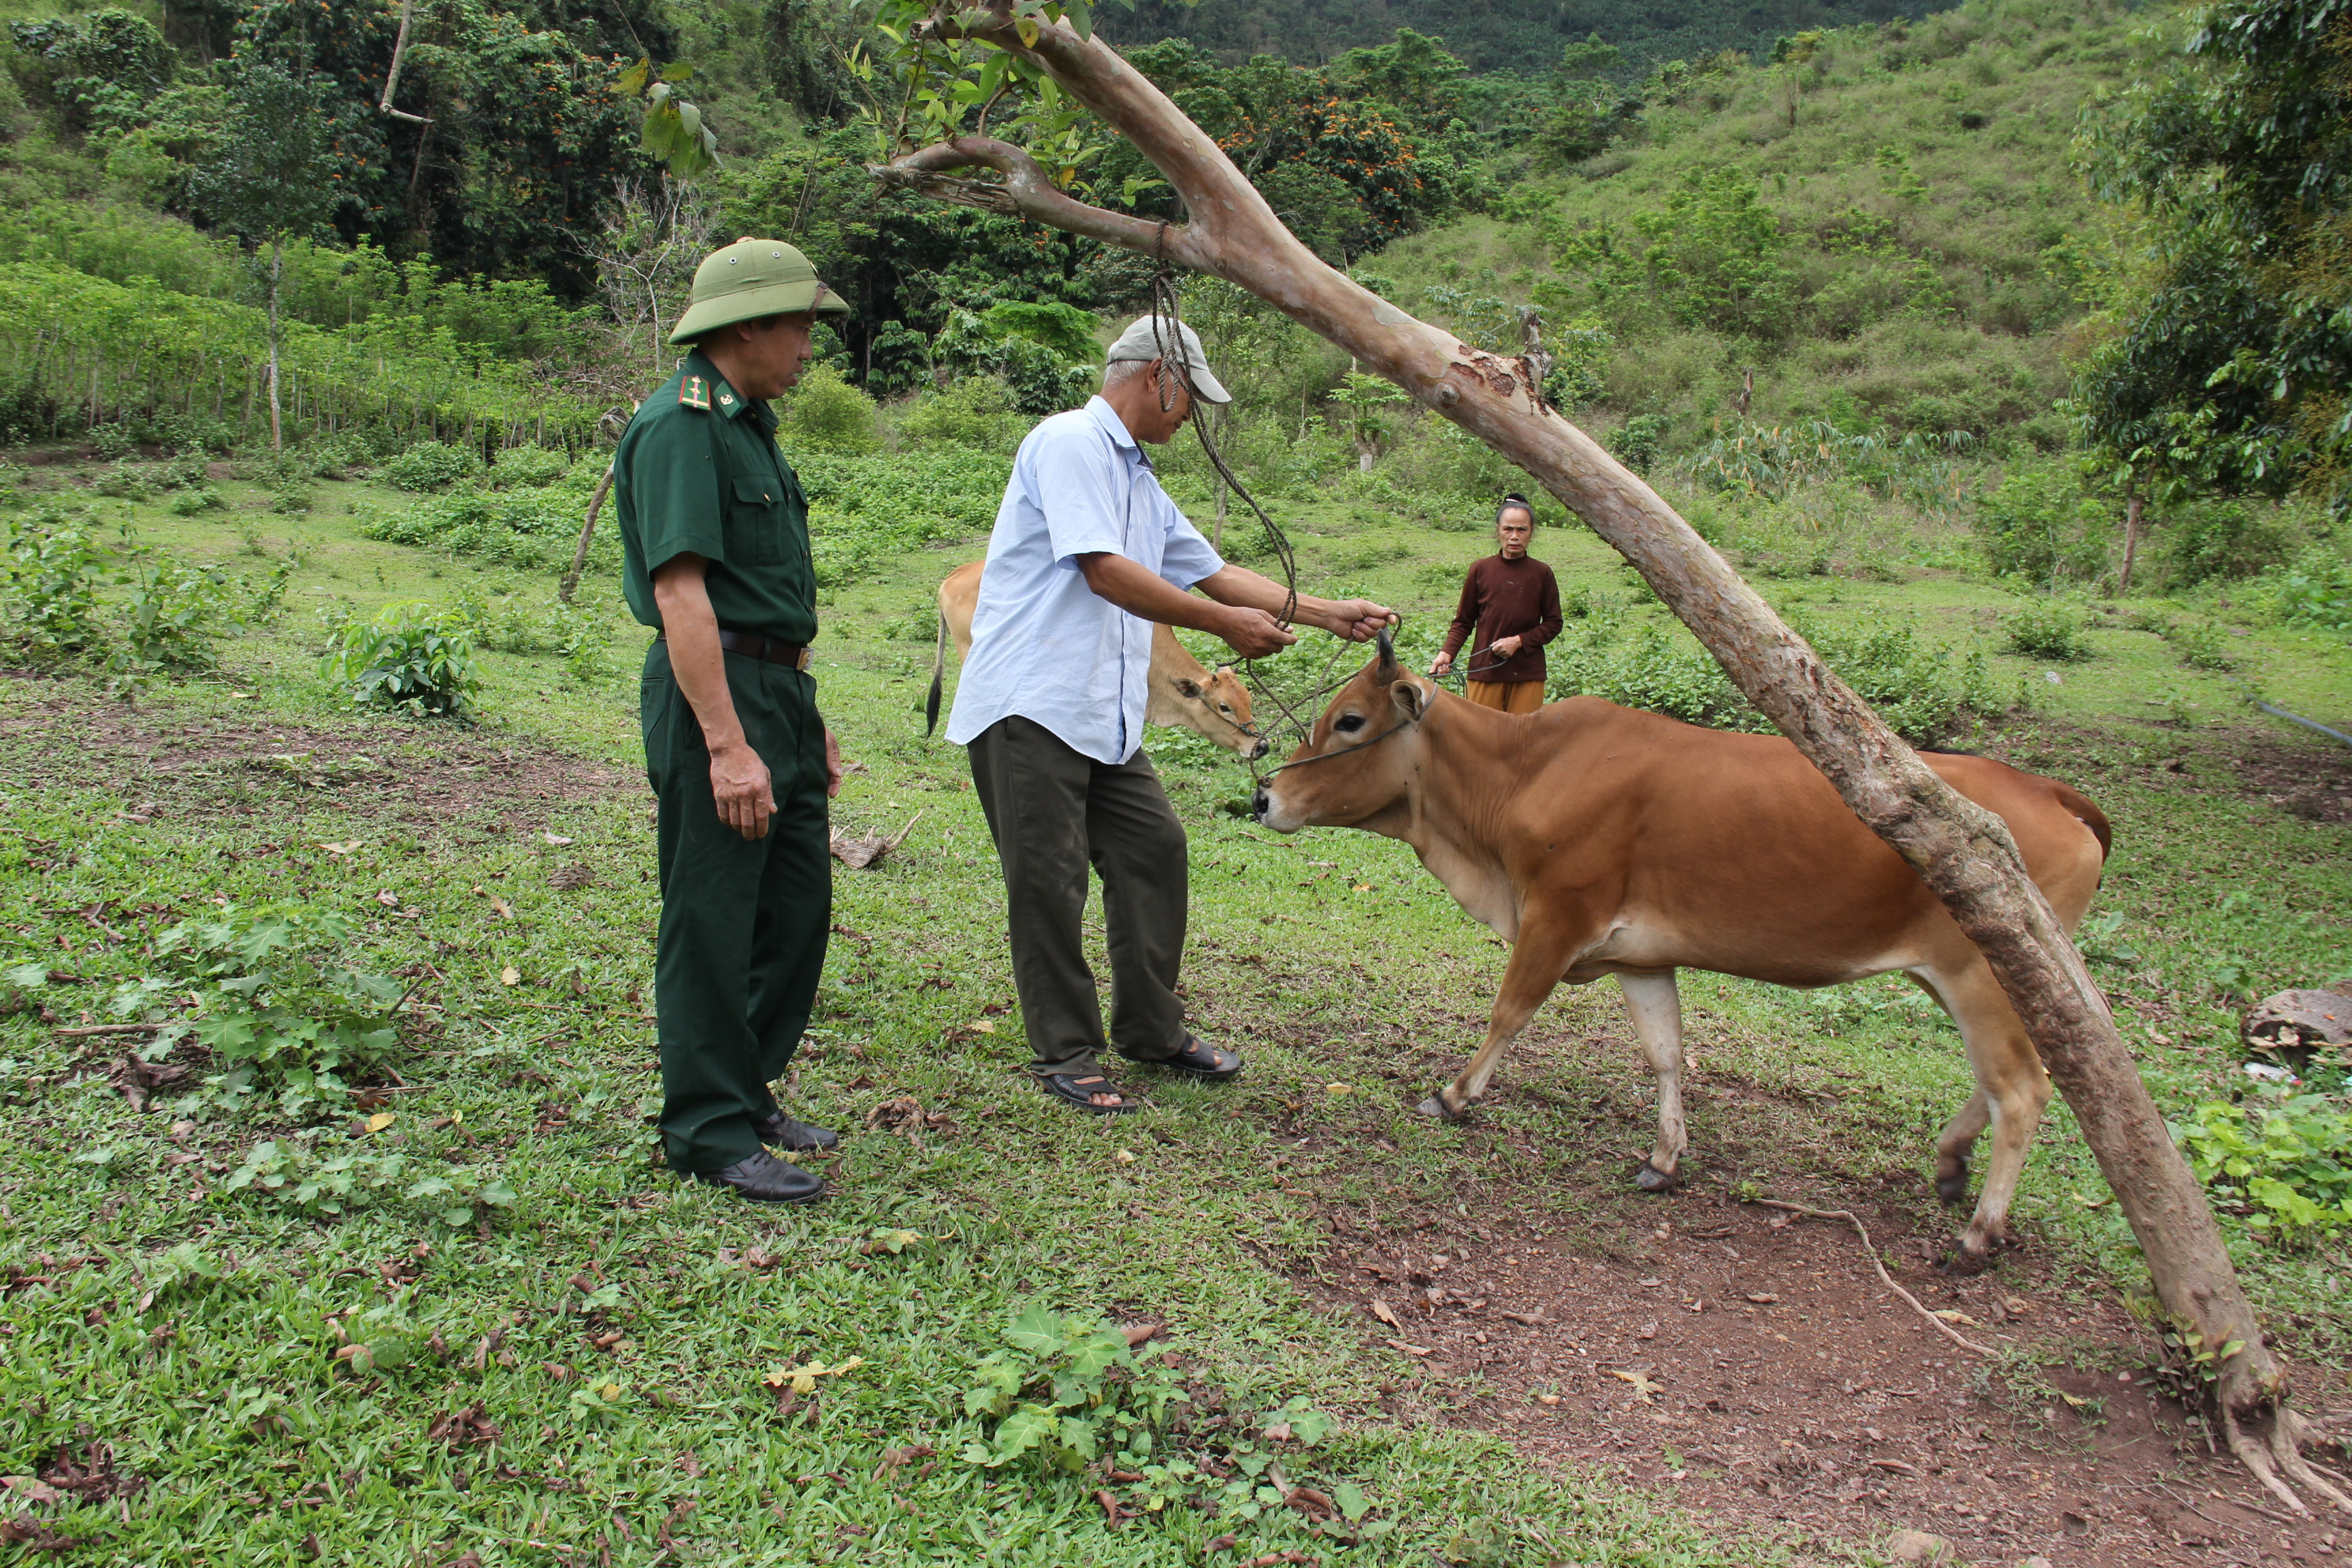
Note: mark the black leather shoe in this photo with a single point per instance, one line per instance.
(764, 1179)
(778, 1131)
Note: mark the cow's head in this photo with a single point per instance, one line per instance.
(1361, 756)
(1218, 708)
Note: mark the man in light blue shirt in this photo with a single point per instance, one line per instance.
(1088, 552)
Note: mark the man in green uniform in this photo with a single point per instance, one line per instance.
(714, 534)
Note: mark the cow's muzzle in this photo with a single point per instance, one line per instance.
(1259, 750)
(1259, 802)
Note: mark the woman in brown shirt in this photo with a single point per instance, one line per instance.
(1513, 601)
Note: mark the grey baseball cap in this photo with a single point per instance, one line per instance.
(1148, 339)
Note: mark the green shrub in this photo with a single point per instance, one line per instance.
(192, 503)
(293, 500)
(2221, 541)
(431, 466)
(2282, 1162)
(114, 441)
(1065, 1394)
(525, 526)
(1637, 442)
(975, 411)
(528, 467)
(2046, 630)
(186, 470)
(2202, 645)
(172, 613)
(2313, 590)
(2040, 525)
(54, 569)
(275, 1005)
(825, 414)
(124, 479)
(408, 656)
(1926, 692)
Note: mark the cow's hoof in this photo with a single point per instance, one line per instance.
(1953, 1189)
(1650, 1179)
(1967, 1261)
(1435, 1106)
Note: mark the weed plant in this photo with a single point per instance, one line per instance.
(2046, 628)
(406, 656)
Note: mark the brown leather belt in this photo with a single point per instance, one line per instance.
(774, 650)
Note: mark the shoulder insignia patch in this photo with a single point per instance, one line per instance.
(693, 392)
(728, 399)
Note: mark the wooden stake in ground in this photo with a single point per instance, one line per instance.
(571, 584)
(1962, 852)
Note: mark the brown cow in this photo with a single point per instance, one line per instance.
(1182, 691)
(1601, 840)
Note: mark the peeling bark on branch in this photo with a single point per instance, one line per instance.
(1963, 853)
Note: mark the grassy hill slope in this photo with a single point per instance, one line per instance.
(1916, 178)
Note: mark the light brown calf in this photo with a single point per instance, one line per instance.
(1601, 840)
(1184, 693)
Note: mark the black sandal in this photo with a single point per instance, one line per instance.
(1068, 1087)
(1211, 1064)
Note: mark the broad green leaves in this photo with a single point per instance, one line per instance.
(673, 129)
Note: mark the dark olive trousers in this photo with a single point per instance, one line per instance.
(744, 920)
(1054, 810)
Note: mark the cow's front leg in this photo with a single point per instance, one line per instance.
(1537, 961)
(1657, 1010)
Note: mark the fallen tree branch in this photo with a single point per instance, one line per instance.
(1884, 1279)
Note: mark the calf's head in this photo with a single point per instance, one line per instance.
(1360, 757)
(1217, 705)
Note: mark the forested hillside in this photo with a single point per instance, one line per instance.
(1520, 36)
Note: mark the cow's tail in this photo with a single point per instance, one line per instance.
(2089, 815)
(939, 669)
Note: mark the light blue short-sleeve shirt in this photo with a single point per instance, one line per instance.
(1043, 644)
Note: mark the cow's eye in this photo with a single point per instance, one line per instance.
(1349, 723)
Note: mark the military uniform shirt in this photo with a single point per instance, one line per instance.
(698, 473)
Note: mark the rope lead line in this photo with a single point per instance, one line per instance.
(1165, 308)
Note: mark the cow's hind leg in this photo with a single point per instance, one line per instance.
(2011, 1090)
(1656, 1007)
(1537, 961)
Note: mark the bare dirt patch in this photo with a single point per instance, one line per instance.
(175, 762)
(1750, 1366)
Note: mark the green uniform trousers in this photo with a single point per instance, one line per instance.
(1051, 809)
(744, 920)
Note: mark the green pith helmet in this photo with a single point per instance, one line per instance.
(752, 279)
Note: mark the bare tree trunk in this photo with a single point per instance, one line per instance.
(2131, 537)
(564, 590)
(1962, 852)
(276, 270)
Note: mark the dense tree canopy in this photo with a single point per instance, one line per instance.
(2231, 174)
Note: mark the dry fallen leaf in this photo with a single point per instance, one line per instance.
(1409, 1350)
(984, 1026)
(500, 907)
(380, 1120)
(1124, 1157)
(555, 839)
(1954, 1315)
(1548, 1399)
(388, 899)
(1643, 1386)
(1763, 1298)
(1337, 1088)
(1386, 1314)
(509, 975)
(339, 849)
(803, 1379)
(31, 1491)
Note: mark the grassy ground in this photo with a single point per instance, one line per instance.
(193, 1329)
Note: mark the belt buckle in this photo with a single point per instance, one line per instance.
(801, 662)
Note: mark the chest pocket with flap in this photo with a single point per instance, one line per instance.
(755, 520)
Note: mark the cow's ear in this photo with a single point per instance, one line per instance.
(1188, 686)
(1410, 698)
